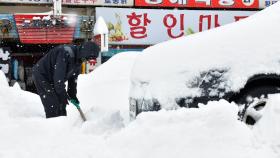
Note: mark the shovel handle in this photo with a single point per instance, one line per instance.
(82, 114)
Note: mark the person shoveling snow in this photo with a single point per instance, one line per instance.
(61, 64)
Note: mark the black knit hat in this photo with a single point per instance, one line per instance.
(88, 50)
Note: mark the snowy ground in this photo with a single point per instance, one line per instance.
(210, 131)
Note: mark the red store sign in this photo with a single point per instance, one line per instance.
(250, 4)
(76, 2)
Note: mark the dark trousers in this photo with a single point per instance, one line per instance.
(52, 105)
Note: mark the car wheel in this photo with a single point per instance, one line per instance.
(142, 105)
(254, 111)
(252, 101)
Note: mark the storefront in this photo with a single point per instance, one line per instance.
(25, 38)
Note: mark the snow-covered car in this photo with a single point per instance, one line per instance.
(237, 62)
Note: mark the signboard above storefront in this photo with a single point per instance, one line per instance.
(266, 3)
(27, 1)
(199, 3)
(222, 4)
(99, 2)
(151, 26)
(77, 2)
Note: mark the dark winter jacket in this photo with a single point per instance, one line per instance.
(63, 63)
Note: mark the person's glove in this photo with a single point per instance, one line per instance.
(75, 102)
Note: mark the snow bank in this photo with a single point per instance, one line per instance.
(15, 103)
(211, 131)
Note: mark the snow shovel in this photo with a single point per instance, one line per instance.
(77, 105)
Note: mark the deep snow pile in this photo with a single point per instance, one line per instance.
(239, 50)
(11, 100)
(210, 131)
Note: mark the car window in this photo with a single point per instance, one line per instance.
(211, 82)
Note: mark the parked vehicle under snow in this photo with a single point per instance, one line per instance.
(237, 62)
